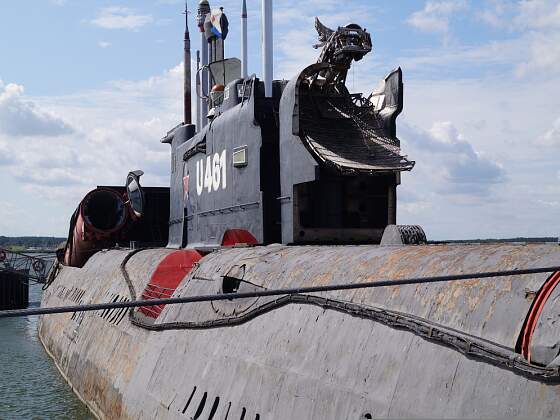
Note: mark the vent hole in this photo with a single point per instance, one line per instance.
(258, 417)
(214, 408)
(230, 285)
(243, 412)
(368, 416)
(189, 400)
(200, 406)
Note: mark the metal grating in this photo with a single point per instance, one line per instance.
(349, 137)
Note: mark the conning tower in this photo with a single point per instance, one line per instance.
(298, 162)
(308, 163)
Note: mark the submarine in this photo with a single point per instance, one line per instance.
(280, 184)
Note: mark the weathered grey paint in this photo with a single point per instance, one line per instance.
(301, 361)
(298, 166)
(177, 138)
(248, 197)
(209, 214)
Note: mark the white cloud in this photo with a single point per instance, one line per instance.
(521, 15)
(435, 15)
(295, 47)
(554, 204)
(541, 21)
(532, 55)
(22, 117)
(497, 13)
(514, 113)
(55, 177)
(6, 157)
(117, 129)
(36, 155)
(536, 25)
(538, 14)
(104, 44)
(164, 21)
(503, 52)
(542, 57)
(531, 50)
(454, 164)
(121, 18)
(296, 34)
(9, 212)
(552, 136)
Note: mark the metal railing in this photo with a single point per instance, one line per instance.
(31, 268)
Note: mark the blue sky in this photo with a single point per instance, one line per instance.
(87, 89)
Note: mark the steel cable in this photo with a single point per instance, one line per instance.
(275, 292)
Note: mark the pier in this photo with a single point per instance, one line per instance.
(17, 270)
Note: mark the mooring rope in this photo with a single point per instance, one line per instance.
(274, 292)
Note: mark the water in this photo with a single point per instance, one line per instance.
(30, 385)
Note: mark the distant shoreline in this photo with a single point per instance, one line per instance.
(39, 244)
(30, 243)
(493, 240)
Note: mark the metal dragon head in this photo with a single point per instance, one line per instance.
(341, 47)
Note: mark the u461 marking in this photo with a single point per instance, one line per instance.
(212, 174)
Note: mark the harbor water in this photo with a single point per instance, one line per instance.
(30, 384)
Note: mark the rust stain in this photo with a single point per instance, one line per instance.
(95, 387)
(322, 279)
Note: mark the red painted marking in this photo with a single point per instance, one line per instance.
(535, 313)
(238, 236)
(167, 276)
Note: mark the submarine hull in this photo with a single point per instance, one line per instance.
(397, 351)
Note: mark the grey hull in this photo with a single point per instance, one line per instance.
(271, 359)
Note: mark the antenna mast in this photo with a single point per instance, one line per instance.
(187, 117)
(203, 10)
(267, 47)
(244, 63)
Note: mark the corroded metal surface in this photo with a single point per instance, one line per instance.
(302, 361)
(494, 309)
(96, 355)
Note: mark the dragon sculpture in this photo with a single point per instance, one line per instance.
(339, 48)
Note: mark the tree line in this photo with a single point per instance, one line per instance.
(25, 242)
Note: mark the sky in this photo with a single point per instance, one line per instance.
(88, 88)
